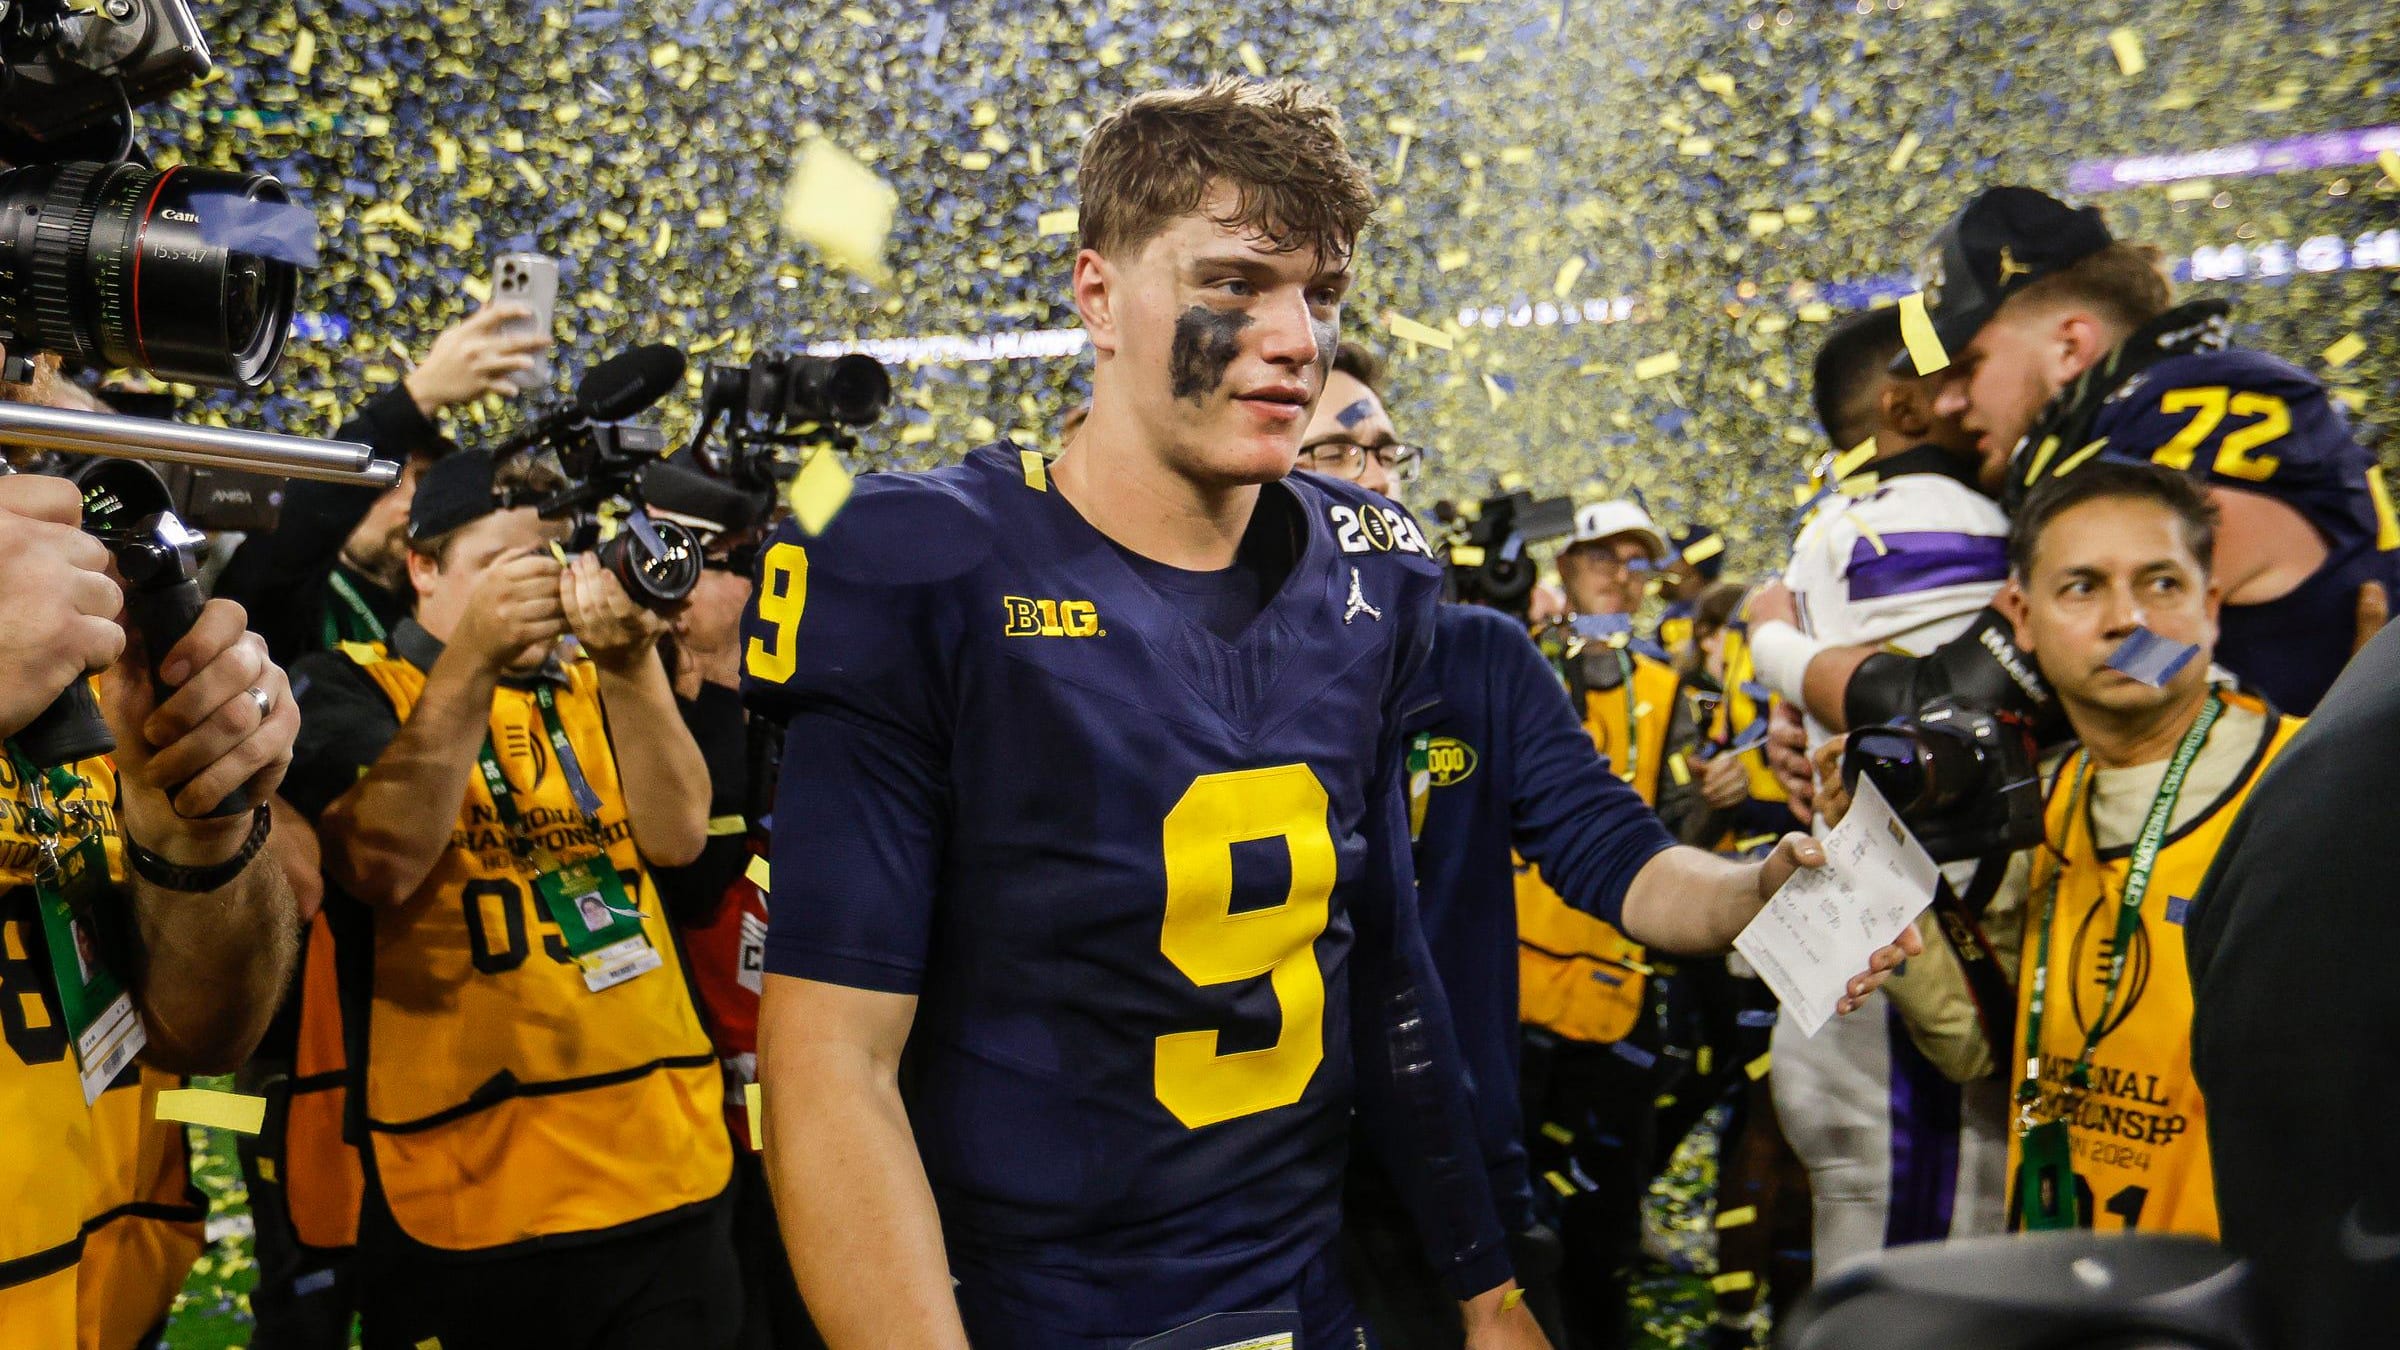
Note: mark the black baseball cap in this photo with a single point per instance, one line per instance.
(452, 492)
(2003, 240)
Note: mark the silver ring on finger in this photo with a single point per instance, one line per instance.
(264, 701)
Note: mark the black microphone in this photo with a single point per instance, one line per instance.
(612, 391)
(628, 382)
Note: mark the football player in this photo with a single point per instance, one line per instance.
(2066, 348)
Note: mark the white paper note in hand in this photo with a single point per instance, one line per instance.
(1827, 922)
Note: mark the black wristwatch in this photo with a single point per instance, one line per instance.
(166, 875)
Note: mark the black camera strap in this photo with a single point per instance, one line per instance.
(1961, 920)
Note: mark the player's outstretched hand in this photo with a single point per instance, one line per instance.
(1795, 851)
(1496, 1322)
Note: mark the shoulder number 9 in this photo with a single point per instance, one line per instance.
(1212, 945)
(782, 594)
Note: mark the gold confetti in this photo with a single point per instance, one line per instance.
(1732, 1281)
(1466, 555)
(304, 52)
(1758, 1067)
(1493, 391)
(754, 1105)
(837, 204)
(1902, 152)
(1651, 367)
(2389, 162)
(1704, 548)
(1737, 1218)
(1452, 259)
(1815, 311)
(1066, 220)
(238, 1112)
(819, 491)
(1569, 272)
(2344, 350)
(1409, 330)
(1251, 60)
(757, 872)
(1916, 329)
(2127, 44)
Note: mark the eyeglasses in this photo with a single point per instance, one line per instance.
(1348, 459)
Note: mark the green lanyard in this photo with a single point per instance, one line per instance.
(364, 626)
(503, 799)
(43, 789)
(2129, 907)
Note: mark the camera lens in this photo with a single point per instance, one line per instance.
(655, 577)
(111, 264)
(852, 390)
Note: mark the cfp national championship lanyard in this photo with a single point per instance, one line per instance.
(2045, 1176)
(586, 897)
(68, 884)
(361, 626)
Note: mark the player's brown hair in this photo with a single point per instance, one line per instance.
(2126, 282)
(1277, 146)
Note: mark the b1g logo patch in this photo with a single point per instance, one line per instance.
(1449, 761)
(1050, 618)
(1372, 529)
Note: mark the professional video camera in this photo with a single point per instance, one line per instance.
(628, 503)
(1964, 778)
(1485, 542)
(782, 401)
(187, 273)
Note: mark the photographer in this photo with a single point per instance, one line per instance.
(2111, 1133)
(1901, 555)
(1517, 772)
(2066, 350)
(538, 1099)
(335, 568)
(127, 928)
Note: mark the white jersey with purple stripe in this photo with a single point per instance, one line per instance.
(1906, 565)
(1896, 1153)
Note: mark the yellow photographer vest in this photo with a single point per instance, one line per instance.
(316, 1166)
(504, 1100)
(98, 1218)
(2139, 1136)
(1741, 709)
(1576, 975)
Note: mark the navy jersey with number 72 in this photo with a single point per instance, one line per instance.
(1145, 882)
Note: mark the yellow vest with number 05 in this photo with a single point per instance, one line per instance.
(505, 1101)
(2140, 1136)
(98, 1220)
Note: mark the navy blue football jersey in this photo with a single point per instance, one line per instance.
(2248, 421)
(1143, 880)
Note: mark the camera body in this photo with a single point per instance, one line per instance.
(782, 401)
(1485, 542)
(1966, 779)
(70, 70)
